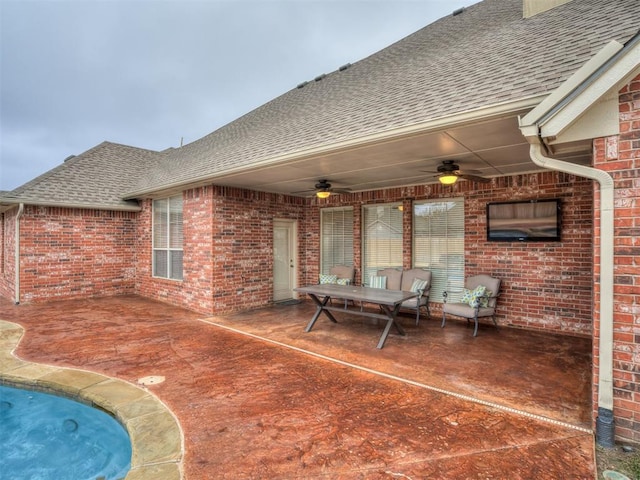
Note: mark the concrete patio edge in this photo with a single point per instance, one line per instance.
(157, 439)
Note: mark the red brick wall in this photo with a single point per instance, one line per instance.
(75, 253)
(546, 285)
(228, 249)
(195, 289)
(620, 157)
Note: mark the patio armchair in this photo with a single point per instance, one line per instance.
(479, 299)
(343, 273)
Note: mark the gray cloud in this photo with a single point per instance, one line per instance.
(148, 73)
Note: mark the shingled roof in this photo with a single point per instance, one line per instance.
(486, 55)
(95, 179)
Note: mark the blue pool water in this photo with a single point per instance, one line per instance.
(45, 437)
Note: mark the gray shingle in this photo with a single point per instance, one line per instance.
(97, 177)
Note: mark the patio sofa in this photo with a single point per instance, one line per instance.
(396, 279)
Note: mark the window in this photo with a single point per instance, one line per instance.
(381, 238)
(336, 238)
(167, 238)
(438, 245)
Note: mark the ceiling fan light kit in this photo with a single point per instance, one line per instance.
(448, 178)
(449, 173)
(323, 194)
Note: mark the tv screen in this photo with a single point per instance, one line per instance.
(526, 221)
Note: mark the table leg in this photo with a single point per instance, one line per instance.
(391, 315)
(320, 308)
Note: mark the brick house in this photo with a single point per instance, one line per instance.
(540, 97)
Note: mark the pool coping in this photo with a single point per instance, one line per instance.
(157, 439)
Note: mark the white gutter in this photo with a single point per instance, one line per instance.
(605, 367)
(17, 253)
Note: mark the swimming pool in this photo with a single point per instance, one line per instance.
(46, 437)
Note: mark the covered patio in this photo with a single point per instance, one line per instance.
(257, 397)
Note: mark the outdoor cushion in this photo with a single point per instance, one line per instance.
(418, 285)
(376, 281)
(343, 281)
(328, 278)
(394, 278)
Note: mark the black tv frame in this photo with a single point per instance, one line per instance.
(520, 232)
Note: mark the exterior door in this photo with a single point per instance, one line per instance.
(284, 259)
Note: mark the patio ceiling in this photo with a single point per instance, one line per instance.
(489, 148)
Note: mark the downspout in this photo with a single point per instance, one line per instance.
(17, 253)
(604, 423)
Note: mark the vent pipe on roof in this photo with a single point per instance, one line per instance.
(534, 7)
(458, 11)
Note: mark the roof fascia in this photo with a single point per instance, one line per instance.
(438, 124)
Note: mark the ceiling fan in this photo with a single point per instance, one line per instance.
(449, 173)
(323, 189)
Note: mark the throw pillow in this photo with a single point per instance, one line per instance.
(418, 285)
(343, 281)
(484, 300)
(328, 278)
(377, 281)
(472, 297)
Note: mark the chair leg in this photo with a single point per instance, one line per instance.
(495, 322)
(475, 330)
(417, 315)
(444, 319)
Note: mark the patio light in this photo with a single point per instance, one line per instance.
(323, 193)
(448, 178)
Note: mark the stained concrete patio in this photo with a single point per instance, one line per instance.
(257, 397)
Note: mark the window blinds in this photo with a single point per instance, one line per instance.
(167, 238)
(381, 238)
(336, 238)
(438, 245)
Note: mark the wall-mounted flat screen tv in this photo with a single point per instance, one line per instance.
(525, 221)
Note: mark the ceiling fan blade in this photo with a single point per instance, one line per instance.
(309, 191)
(474, 178)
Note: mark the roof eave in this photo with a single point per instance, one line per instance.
(462, 118)
(7, 204)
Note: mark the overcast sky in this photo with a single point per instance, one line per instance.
(153, 73)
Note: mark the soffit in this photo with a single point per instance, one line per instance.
(490, 148)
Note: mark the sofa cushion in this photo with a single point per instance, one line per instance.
(408, 276)
(394, 278)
